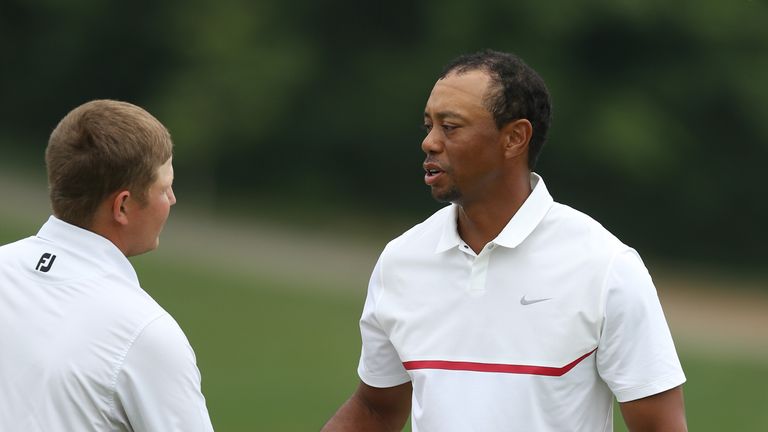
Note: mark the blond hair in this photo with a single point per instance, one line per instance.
(101, 147)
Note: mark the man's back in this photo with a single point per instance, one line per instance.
(76, 335)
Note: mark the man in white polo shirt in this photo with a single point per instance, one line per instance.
(82, 346)
(507, 311)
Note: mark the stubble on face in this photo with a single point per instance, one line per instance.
(456, 112)
(450, 195)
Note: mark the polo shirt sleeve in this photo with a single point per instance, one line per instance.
(636, 356)
(158, 387)
(380, 365)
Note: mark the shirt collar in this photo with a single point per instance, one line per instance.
(522, 224)
(450, 236)
(88, 244)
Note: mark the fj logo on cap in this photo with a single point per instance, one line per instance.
(45, 263)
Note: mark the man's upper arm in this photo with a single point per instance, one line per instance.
(661, 412)
(636, 356)
(380, 365)
(158, 387)
(390, 403)
(373, 409)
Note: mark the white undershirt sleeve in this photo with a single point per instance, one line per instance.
(636, 356)
(380, 365)
(158, 387)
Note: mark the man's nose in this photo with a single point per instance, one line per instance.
(432, 142)
(171, 196)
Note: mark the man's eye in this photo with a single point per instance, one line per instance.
(448, 128)
(427, 127)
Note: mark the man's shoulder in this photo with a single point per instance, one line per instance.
(15, 254)
(579, 226)
(90, 277)
(10, 248)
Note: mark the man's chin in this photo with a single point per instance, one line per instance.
(446, 196)
(145, 249)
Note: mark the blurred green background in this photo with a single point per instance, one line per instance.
(297, 128)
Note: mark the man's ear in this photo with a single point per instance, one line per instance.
(516, 135)
(119, 204)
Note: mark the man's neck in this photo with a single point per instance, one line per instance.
(480, 222)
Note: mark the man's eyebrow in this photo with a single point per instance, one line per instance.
(442, 115)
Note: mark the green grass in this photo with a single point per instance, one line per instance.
(722, 394)
(273, 357)
(726, 395)
(278, 357)
(283, 358)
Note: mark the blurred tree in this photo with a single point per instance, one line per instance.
(59, 55)
(658, 130)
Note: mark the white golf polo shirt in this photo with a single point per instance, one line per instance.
(83, 347)
(537, 332)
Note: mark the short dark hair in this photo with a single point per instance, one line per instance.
(99, 148)
(516, 92)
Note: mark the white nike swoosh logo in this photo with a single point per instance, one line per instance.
(525, 302)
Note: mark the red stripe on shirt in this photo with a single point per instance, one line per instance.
(494, 367)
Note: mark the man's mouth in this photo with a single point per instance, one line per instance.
(433, 173)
